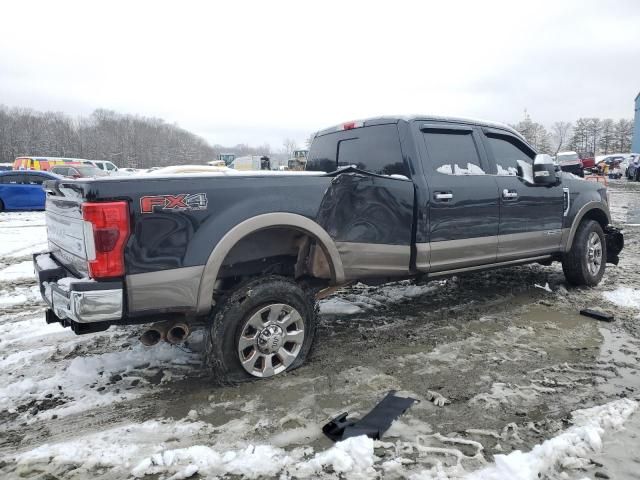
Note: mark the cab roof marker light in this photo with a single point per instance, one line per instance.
(352, 125)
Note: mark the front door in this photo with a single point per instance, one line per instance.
(530, 214)
(463, 207)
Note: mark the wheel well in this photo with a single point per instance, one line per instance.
(597, 215)
(275, 250)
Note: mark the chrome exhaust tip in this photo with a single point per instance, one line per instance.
(151, 337)
(178, 333)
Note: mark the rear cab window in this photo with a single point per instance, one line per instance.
(374, 149)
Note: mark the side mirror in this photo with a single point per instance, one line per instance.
(544, 170)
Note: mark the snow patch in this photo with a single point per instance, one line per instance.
(45, 262)
(338, 306)
(624, 297)
(17, 271)
(571, 449)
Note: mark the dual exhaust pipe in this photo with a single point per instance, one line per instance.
(171, 332)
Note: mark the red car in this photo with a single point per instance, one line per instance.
(588, 160)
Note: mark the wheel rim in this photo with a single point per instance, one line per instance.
(271, 340)
(594, 253)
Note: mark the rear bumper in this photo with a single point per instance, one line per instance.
(77, 301)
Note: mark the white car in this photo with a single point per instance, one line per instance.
(104, 165)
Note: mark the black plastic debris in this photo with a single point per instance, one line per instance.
(373, 424)
(605, 317)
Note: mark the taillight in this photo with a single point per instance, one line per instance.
(109, 227)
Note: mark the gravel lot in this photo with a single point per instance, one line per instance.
(499, 361)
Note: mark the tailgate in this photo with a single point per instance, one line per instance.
(65, 230)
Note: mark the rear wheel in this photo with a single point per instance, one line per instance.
(263, 328)
(584, 264)
(1, 206)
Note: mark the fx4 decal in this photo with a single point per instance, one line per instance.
(179, 202)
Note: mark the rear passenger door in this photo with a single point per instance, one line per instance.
(530, 214)
(463, 207)
(368, 213)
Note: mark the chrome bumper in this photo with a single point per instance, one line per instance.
(79, 300)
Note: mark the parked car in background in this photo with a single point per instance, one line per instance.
(42, 163)
(78, 171)
(6, 166)
(588, 160)
(570, 162)
(632, 171)
(103, 165)
(22, 189)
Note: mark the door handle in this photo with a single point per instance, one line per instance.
(509, 194)
(443, 196)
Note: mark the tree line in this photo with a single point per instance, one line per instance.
(587, 135)
(126, 140)
(143, 142)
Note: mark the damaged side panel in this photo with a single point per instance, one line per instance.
(370, 217)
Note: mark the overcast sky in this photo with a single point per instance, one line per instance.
(253, 72)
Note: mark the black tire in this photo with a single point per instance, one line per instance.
(231, 318)
(578, 269)
(1, 206)
(636, 175)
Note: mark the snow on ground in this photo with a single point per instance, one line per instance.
(624, 297)
(572, 449)
(17, 271)
(22, 233)
(152, 448)
(361, 297)
(84, 382)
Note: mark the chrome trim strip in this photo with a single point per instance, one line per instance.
(177, 287)
(362, 260)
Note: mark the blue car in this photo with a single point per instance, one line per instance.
(22, 189)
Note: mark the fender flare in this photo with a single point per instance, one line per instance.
(254, 224)
(586, 208)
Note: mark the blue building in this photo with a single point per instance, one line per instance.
(635, 143)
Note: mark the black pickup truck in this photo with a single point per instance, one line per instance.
(247, 254)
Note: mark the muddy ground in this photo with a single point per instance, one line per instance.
(511, 359)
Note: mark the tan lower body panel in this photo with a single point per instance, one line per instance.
(362, 260)
(166, 289)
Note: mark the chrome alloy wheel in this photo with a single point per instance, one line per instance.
(594, 253)
(271, 340)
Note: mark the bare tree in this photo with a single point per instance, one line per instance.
(289, 145)
(560, 132)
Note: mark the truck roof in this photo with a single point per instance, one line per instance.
(409, 118)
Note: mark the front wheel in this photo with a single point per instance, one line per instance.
(263, 328)
(584, 264)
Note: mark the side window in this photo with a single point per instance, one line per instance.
(453, 152)
(110, 166)
(375, 149)
(509, 155)
(34, 179)
(322, 154)
(12, 179)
